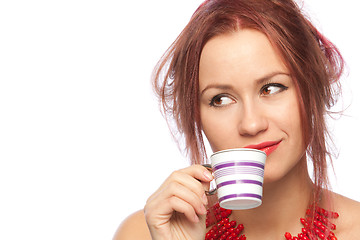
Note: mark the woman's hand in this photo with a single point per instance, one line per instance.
(177, 209)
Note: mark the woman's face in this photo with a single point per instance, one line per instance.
(248, 99)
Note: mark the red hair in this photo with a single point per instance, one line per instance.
(313, 61)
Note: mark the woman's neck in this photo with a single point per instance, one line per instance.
(284, 202)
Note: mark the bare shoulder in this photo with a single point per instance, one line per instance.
(133, 227)
(349, 220)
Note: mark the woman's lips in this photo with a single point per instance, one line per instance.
(267, 147)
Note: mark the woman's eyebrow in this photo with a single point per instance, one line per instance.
(261, 80)
(217, 86)
(230, 87)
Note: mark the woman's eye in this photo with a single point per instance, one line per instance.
(272, 88)
(221, 100)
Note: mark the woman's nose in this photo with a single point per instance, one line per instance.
(252, 121)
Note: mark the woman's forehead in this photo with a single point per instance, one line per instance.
(243, 54)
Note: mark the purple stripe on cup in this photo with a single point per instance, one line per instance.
(232, 164)
(239, 181)
(231, 171)
(235, 170)
(247, 195)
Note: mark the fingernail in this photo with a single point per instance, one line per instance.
(208, 175)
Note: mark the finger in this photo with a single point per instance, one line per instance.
(206, 186)
(174, 188)
(199, 172)
(164, 205)
(189, 182)
(195, 177)
(187, 195)
(181, 206)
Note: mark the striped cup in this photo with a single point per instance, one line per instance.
(239, 176)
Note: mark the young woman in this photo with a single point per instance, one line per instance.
(250, 73)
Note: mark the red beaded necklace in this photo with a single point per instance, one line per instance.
(316, 225)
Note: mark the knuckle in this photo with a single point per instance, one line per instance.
(173, 186)
(175, 175)
(184, 207)
(148, 212)
(173, 201)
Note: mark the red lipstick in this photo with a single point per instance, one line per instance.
(267, 147)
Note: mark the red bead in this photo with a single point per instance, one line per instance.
(321, 235)
(241, 227)
(333, 226)
(323, 228)
(311, 235)
(324, 212)
(316, 225)
(208, 236)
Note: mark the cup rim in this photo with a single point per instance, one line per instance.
(237, 149)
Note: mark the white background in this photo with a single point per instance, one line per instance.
(82, 142)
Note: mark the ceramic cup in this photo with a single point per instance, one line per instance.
(239, 176)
